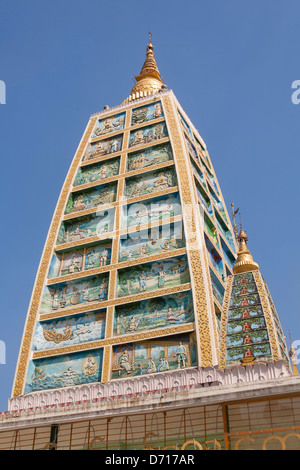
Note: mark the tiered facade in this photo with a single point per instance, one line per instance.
(144, 285)
(124, 288)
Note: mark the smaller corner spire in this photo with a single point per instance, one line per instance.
(244, 258)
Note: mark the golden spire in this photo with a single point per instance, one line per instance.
(149, 81)
(245, 261)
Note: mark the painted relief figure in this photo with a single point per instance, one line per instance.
(73, 293)
(64, 370)
(103, 147)
(215, 258)
(218, 203)
(146, 113)
(198, 173)
(218, 289)
(152, 276)
(243, 278)
(109, 124)
(174, 309)
(245, 312)
(146, 135)
(74, 261)
(210, 177)
(186, 126)
(90, 198)
(140, 244)
(90, 226)
(69, 331)
(191, 148)
(211, 230)
(55, 264)
(149, 183)
(155, 356)
(151, 210)
(97, 172)
(244, 289)
(98, 256)
(203, 198)
(249, 352)
(149, 156)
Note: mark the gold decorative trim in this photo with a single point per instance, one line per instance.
(32, 314)
(168, 331)
(224, 321)
(107, 357)
(109, 322)
(268, 317)
(196, 268)
(112, 284)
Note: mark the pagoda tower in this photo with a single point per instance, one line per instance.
(141, 260)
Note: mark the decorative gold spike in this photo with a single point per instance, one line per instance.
(149, 81)
(245, 261)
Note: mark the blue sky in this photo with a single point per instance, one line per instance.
(231, 65)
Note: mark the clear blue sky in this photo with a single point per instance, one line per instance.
(231, 65)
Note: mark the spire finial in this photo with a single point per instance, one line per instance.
(245, 261)
(149, 81)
